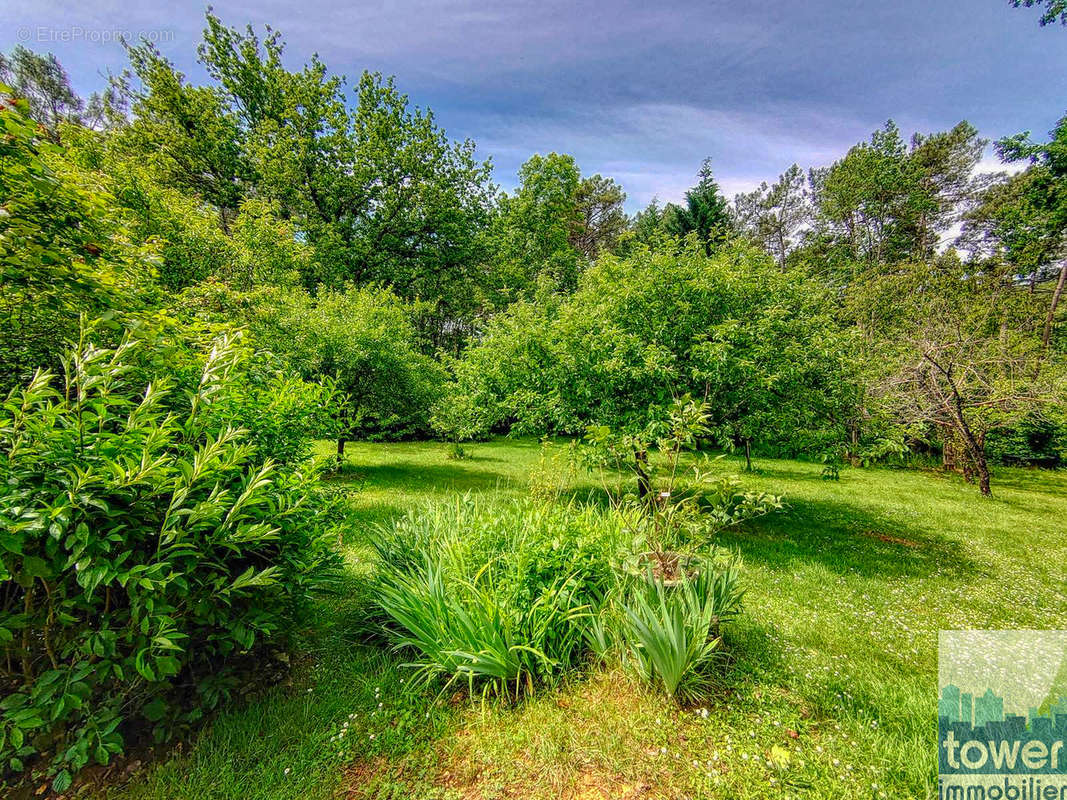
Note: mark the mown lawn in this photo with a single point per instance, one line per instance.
(829, 691)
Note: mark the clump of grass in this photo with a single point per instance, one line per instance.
(472, 632)
(671, 632)
(504, 596)
(495, 595)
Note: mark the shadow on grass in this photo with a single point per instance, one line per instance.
(839, 535)
(415, 477)
(752, 650)
(846, 539)
(364, 517)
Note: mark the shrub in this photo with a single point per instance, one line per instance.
(671, 631)
(364, 340)
(676, 508)
(1032, 441)
(495, 594)
(142, 550)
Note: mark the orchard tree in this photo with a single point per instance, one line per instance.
(363, 342)
(961, 352)
(760, 348)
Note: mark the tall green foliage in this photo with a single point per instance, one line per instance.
(762, 349)
(495, 596)
(705, 214)
(363, 341)
(63, 250)
(377, 190)
(672, 633)
(144, 550)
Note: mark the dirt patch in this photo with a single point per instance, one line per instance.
(592, 785)
(588, 784)
(883, 537)
(362, 776)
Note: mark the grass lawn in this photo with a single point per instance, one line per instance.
(830, 689)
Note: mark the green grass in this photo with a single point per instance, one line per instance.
(830, 691)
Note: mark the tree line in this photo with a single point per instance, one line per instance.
(895, 303)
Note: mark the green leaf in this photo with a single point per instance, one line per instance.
(62, 781)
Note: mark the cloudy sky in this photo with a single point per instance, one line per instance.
(641, 91)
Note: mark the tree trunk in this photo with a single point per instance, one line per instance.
(644, 483)
(748, 455)
(975, 463)
(340, 450)
(983, 475)
(1046, 334)
(952, 456)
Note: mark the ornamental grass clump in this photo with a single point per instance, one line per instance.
(495, 595)
(671, 632)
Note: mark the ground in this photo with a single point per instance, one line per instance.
(829, 690)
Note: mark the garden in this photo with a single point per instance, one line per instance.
(329, 469)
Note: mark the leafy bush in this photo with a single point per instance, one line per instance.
(671, 631)
(362, 339)
(495, 594)
(762, 348)
(142, 550)
(1030, 442)
(64, 251)
(676, 508)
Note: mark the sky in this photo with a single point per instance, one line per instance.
(639, 91)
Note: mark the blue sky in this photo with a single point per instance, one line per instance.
(640, 91)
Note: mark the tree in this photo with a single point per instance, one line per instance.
(381, 193)
(1037, 223)
(45, 86)
(774, 215)
(1052, 9)
(759, 347)
(43, 83)
(647, 226)
(186, 134)
(534, 229)
(601, 217)
(960, 352)
(705, 213)
(886, 202)
(375, 189)
(361, 340)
